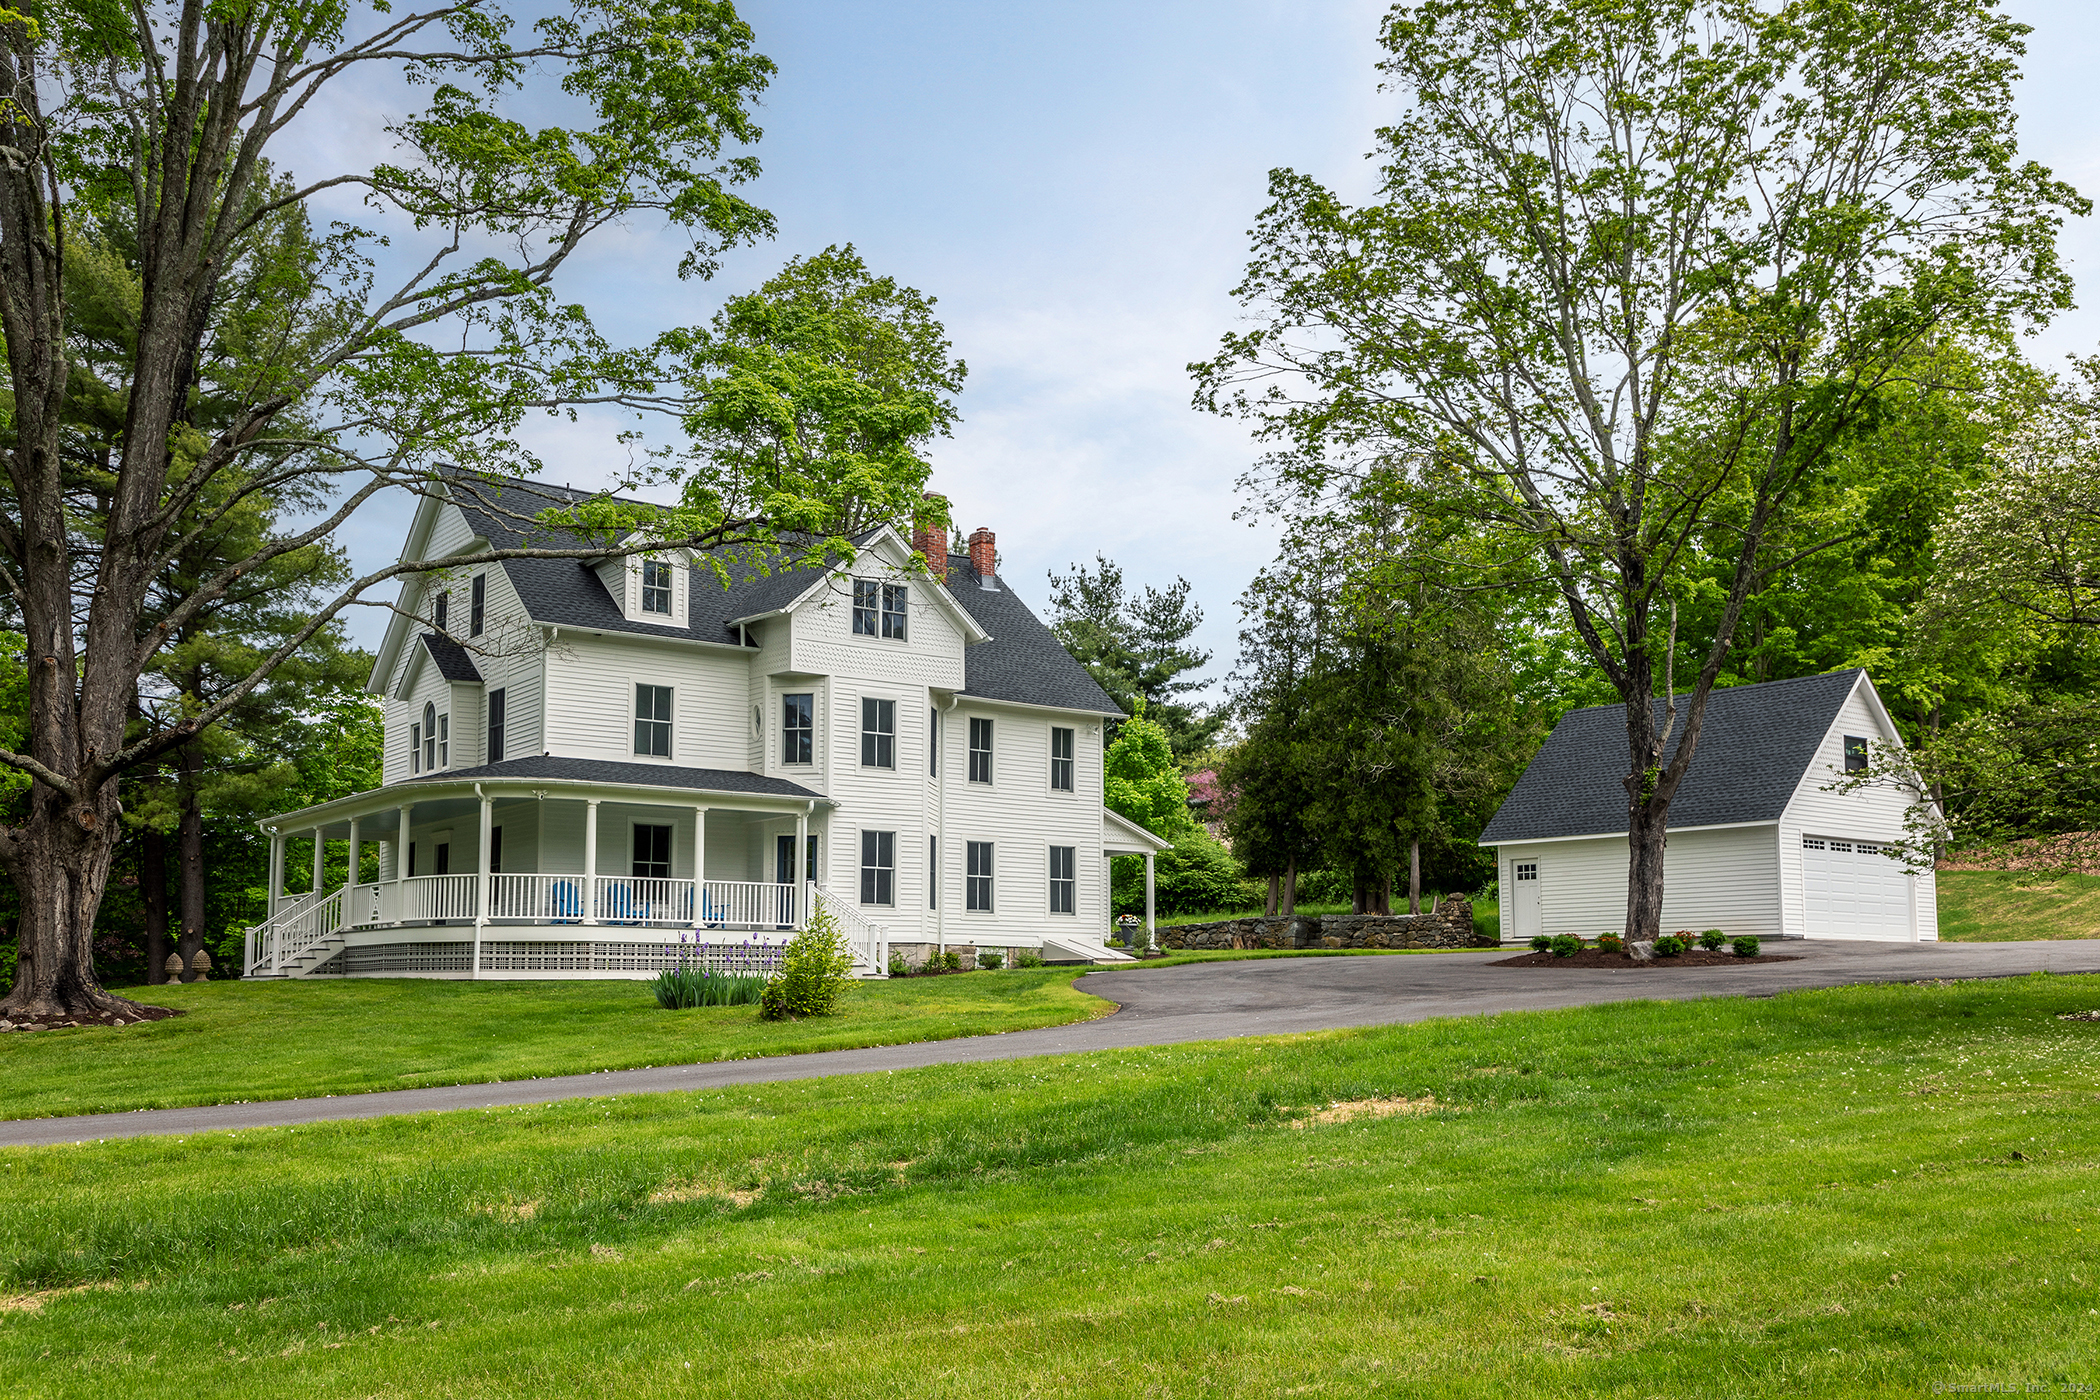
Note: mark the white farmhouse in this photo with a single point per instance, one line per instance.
(592, 766)
(1759, 843)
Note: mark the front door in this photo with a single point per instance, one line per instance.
(784, 872)
(1525, 919)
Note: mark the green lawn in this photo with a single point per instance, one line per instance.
(281, 1040)
(1993, 905)
(1861, 1191)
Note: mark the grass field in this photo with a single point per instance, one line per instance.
(1994, 905)
(280, 1040)
(1864, 1191)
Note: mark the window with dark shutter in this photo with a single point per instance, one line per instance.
(477, 604)
(495, 726)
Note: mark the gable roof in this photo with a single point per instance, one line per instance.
(1021, 663)
(450, 657)
(1756, 744)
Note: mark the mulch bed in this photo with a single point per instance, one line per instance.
(129, 1018)
(1592, 957)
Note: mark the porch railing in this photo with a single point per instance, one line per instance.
(868, 942)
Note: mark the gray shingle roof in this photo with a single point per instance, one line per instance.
(451, 658)
(593, 770)
(1757, 742)
(1022, 663)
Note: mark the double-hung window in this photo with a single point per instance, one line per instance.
(1064, 879)
(866, 593)
(1855, 754)
(977, 876)
(652, 720)
(878, 733)
(980, 750)
(656, 587)
(1060, 759)
(878, 867)
(415, 748)
(495, 726)
(652, 852)
(439, 609)
(430, 738)
(444, 741)
(477, 604)
(798, 728)
(896, 603)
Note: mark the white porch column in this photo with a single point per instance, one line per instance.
(320, 858)
(1151, 929)
(699, 866)
(276, 871)
(590, 860)
(484, 888)
(401, 868)
(350, 866)
(800, 869)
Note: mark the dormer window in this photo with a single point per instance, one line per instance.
(865, 595)
(1855, 754)
(656, 587)
(896, 598)
(430, 739)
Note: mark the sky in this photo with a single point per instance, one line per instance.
(1074, 183)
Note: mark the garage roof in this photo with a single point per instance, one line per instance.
(1757, 743)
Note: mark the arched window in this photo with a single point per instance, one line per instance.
(430, 741)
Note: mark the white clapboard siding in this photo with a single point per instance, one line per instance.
(1874, 813)
(590, 699)
(1711, 879)
(879, 799)
(823, 641)
(1023, 819)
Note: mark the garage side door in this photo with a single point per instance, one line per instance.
(1856, 889)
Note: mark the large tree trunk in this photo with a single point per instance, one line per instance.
(153, 896)
(1269, 908)
(1647, 841)
(1290, 888)
(1414, 877)
(190, 843)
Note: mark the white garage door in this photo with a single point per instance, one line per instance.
(1856, 889)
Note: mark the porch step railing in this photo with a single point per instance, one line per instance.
(282, 942)
(868, 942)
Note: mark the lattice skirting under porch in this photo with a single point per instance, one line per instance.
(561, 956)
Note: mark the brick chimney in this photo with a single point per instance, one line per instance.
(984, 555)
(929, 534)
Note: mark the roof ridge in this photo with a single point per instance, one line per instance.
(1754, 685)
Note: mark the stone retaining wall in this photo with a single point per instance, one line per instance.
(1451, 926)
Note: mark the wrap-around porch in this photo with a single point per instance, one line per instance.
(479, 879)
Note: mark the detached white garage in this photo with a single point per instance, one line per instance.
(1757, 843)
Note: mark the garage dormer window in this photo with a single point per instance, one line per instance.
(656, 587)
(1855, 754)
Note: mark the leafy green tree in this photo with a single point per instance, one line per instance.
(1196, 875)
(1141, 780)
(1136, 646)
(1635, 276)
(352, 379)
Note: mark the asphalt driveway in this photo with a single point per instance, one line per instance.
(1169, 1006)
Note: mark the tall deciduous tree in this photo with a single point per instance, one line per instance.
(1636, 272)
(423, 339)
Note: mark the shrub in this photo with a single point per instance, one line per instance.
(990, 961)
(812, 974)
(1670, 945)
(1028, 960)
(1746, 946)
(898, 966)
(1565, 945)
(1610, 943)
(1712, 939)
(1196, 875)
(951, 961)
(1540, 943)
